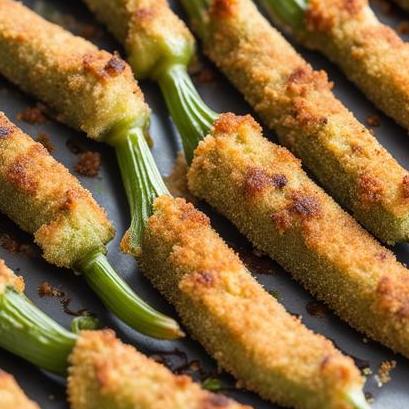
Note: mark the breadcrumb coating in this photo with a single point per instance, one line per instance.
(90, 89)
(9, 279)
(370, 53)
(107, 374)
(11, 396)
(44, 199)
(242, 326)
(235, 169)
(298, 103)
(151, 33)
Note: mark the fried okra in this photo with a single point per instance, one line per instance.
(262, 189)
(297, 102)
(107, 374)
(150, 32)
(44, 199)
(11, 396)
(232, 316)
(90, 89)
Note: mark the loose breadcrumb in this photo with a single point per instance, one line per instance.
(384, 372)
(89, 164)
(32, 115)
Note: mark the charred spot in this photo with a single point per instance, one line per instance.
(115, 66)
(17, 174)
(405, 187)
(370, 189)
(213, 401)
(229, 122)
(305, 206)
(279, 181)
(255, 181)
(205, 278)
(282, 220)
(5, 132)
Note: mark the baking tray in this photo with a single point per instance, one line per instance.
(185, 356)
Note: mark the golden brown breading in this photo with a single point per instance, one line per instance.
(262, 189)
(91, 90)
(44, 199)
(370, 53)
(107, 374)
(297, 102)
(9, 279)
(243, 327)
(11, 396)
(150, 32)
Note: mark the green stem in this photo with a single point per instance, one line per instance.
(141, 178)
(357, 399)
(29, 333)
(288, 12)
(197, 12)
(191, 115)
(119, 298)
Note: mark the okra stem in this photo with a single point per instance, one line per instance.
(288, 12)
(29, 333)
(192, 117)
(119, 298)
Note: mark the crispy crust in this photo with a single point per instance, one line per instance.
(303, 229)
(11, 396)
(106, 374)
(43, 198)
(297, 102)
(233, 316)
(370, 53)
(152, 34)
(9, 279)
(92, 90)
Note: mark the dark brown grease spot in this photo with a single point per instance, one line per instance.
(4, 132)
(115, 66)
(305, 206)
(316, 309)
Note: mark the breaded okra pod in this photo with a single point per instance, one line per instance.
(262, 189)
(103, 373)
(232, 316)
(11, 395)
(68, 225)
(297, 102)
(64, 218)
(348, 32)
(90, 89)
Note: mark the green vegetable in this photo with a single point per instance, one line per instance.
(32, 335)
(119, 298)
(288, 12)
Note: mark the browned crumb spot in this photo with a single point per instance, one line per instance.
(115, 66)
(393, 296)
(47, 290)
(305, 206)
(222, 8)
(32, 115)
(384, 371)
(213, 401)
(370, 189)
(257, 180)
(403, 28)
(304, 78)
(279, 181)
(205, 278)
(229, 123)
(10, 244)
(44, 139)
(373, 120)
(177, 180)
(193, 215)
(317, 20)
(405, 187)
(282, 220)
(88, 164)
(5, 132)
